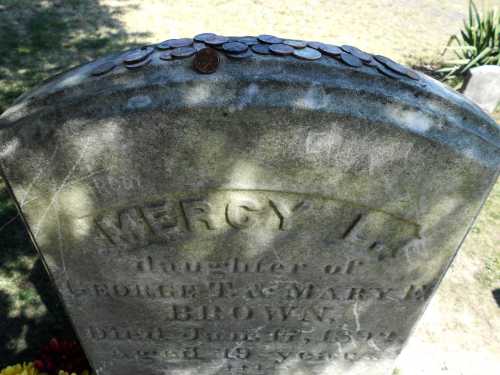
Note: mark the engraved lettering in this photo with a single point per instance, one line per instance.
(96, 333)
(286, 213)
(236, 353)
(191, 353)
(317, 314)
(198, 213)
(161, 217)
(282, 356)
(380, 234)
(232, 266)
(418, 293)
(242, 312)
(286, 335)
(347, 269)
(77, 292)
(121, 290)
(221, 289)
(242, 214)
(101, 290)
(281, 313)
(297, 291)
(127, 227)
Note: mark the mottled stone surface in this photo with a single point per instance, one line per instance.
(483, 86)
(278, 216)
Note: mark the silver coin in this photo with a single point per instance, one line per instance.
(315, 45)
(387, 72)
(234, 47)
(412, 74)
(103, 68)
(248, 40)
(347, 48)
(261, 49)
(138, 65)
(350, 60)
(217, 40)
(137, 55)
(281, 49)
(330, 50)
(394, 66)
(295, 43)
(398, 68)
(204, 37)
(199, 46)
(163, 45)
(181, 42)
(167, 55)
(242, 55)
(363, 56)
(269, 39)
(183, 52)
(368, 60)
(307, 53)
(372, 62)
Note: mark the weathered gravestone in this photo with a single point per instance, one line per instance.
(482, 86)
(259, 207)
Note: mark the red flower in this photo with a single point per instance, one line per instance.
(66, 355)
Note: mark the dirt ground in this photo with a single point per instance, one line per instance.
(460, 332)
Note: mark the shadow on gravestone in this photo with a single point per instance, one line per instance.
(38, 40)
(290, 213)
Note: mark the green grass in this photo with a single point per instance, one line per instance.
(41, 38)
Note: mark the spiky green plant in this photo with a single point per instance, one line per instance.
(477, 44)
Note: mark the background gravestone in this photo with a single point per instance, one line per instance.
(264, 206)
(482, 86)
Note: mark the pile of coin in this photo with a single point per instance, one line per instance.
(207, 46)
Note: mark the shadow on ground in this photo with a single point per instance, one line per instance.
(30, 312)
(39, 39)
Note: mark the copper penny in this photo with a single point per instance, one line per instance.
(206, 61)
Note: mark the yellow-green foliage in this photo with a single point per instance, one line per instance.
(477, 44)
(20, 369)
(30, 369)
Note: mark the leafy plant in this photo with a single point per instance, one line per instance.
(477, 44)
(20, 369)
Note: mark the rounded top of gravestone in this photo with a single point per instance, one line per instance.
(256, 58)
